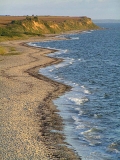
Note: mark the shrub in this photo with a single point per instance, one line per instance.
(16, 22)
(36, 19)
(28, 18)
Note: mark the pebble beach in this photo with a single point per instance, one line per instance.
(28, 114)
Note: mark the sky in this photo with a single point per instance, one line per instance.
(95, 9)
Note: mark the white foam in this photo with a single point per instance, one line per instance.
(32, 44)
(76, 119)
(64, 51)
(114, 147)
(86, 32)
(50, 70)
(79, 101)
(80, 113)
(66, 62)
(74, 38)
(61, 65)
(85, 90)
(80, 126)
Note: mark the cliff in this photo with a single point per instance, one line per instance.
(47, 25)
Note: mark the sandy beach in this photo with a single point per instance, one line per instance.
(28, 114)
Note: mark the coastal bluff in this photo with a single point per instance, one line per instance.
(13, 26)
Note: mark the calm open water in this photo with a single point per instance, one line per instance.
(91, 110)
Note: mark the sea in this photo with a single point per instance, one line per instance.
(91, 109)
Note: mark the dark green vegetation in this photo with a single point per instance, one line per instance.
(19, 27)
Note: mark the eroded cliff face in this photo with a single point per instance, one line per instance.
(39, 25)
(48, 26)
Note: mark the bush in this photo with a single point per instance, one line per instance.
(16, 22)
(0, 31)
(6, 32)
(32, 34)
(36, 19)
(28, 18)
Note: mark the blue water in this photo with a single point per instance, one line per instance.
(91, 110)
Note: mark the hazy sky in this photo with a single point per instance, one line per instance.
(95, 9)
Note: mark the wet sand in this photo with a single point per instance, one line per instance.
(28, 116)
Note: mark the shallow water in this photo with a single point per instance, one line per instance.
(91, 110)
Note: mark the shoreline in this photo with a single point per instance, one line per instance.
(48, 141)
